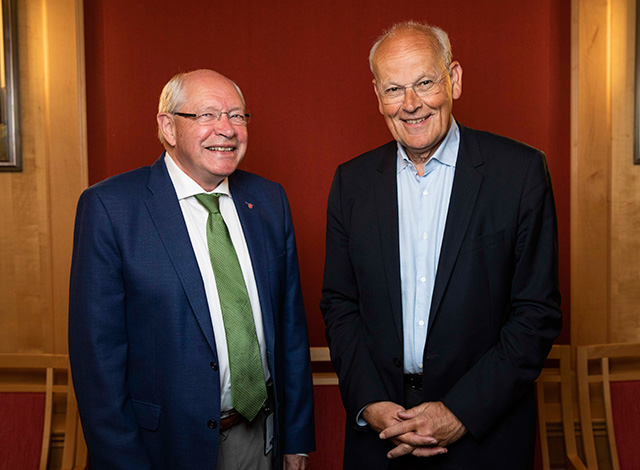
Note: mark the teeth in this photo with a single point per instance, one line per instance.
(220, 149)
(415, 121)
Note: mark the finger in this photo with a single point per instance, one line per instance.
(408, 414)
(397, 429)
(416, 440)
(428, 451)
(400, 450)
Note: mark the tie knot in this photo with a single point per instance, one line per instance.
(209, 201)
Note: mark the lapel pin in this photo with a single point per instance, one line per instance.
(249, 205)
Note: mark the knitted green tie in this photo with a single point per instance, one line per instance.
(248, 390)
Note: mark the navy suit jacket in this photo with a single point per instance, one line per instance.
(141, 342)
(495, 308)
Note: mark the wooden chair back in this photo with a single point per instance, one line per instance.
(47, 375)
(606, 373)
(554, 392)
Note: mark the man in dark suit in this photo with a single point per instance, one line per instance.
(187, 331)
(440, 288)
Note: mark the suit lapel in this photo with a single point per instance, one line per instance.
(165, 211)
(251, 214)
(466, 184)
(386, 199)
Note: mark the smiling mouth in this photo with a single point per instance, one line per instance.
(221, 149)
(415, 121)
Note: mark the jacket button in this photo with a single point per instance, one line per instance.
(212, 424)
(397, 362)
(214, 366)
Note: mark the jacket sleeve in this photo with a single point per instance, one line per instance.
(98, 342)
(297, 424)
(360, 381)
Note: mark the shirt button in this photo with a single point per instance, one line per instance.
(212, 424)
(421, 323)
(420, 366)
(425, 192)
(423, 279)
(424, 235)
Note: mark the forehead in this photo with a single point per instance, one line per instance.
(407, 54)
(211, 92)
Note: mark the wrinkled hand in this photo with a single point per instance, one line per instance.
(423, 426)
(295, 462)
(384, 415)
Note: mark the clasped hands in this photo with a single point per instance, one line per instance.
(422, 431)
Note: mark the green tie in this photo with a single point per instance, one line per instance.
(248, 390)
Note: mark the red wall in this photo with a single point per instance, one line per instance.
(303, 69)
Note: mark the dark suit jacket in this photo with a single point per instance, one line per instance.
(495, 308)
(141, 341)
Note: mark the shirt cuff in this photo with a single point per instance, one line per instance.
(360, 420)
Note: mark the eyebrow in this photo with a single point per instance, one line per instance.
(422, 77)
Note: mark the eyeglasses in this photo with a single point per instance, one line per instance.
(422, 88)
(235, 118)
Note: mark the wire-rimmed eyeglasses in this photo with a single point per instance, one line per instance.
(235, 118)
(423, 88)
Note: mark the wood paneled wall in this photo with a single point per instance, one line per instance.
(605, 184)
(37, 205)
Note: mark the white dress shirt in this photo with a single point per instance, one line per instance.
(195, 217)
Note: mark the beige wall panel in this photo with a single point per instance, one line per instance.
(625, 179)
(66, 146)
(605, 197)
(37, 204)
(590, 175)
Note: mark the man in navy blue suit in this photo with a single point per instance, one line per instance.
(149, 318)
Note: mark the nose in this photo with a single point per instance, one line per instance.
(223, 126)
(411, 99)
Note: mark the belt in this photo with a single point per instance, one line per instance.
(232, 417)
(413, 380)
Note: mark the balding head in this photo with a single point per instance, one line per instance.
(437, 38)
(173, 94)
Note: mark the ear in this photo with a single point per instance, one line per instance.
(375, 90)
(167, 126)
(455, 71)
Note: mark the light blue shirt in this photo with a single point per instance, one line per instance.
(423, 203)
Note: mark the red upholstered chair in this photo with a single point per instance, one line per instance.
(31, 386)
(330, 416)
(609, 396)
(554, 392)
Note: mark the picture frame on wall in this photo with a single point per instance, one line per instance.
(10, 155)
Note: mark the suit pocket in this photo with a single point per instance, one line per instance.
(479, 243)
(147, 414)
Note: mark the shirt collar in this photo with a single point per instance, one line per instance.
(446, 153)
(187, 187)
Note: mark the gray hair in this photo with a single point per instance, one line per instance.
(172, 97)
(438, 37)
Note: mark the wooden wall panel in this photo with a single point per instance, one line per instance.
(605, 185)
(37, 204)
(625, 179)
(590, 174)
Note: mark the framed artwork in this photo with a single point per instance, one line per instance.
(10, 158)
